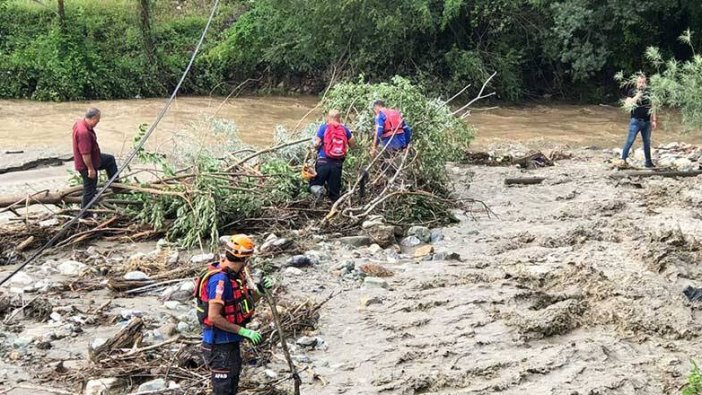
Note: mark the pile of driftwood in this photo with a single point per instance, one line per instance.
(529, 161)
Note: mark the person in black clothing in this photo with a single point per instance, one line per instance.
(332, 142)
(642, 120)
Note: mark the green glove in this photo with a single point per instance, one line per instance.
(253, 336)
(265, 284)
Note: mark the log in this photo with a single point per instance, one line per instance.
(122, 339)
(524, 180)
(654, 173)
(45, 197)
(23, 245)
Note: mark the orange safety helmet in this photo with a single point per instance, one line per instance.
(240, 246)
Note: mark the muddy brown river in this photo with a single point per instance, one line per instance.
(33, 125)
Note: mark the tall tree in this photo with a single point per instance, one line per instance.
(145, 11)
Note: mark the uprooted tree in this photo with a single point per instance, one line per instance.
(213, 182)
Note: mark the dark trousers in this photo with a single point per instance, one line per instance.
(108, 163)
(637, 125)
(329, 172)
(224, 362)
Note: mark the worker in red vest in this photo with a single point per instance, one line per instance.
(391, 129)
(332, 141)
(225, 305)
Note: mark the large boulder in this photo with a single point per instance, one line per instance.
(382, 235)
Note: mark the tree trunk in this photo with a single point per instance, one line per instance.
(62, 15)
(145, 10)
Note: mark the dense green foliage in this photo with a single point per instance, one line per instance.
(566, 48)
(98, 51)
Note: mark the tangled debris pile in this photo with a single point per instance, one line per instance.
(144, 335)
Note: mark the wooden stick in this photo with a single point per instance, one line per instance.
(265, 151)
(23, 245)
(284, 344)
(524, 180)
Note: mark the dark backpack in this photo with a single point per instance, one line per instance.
(335, 141)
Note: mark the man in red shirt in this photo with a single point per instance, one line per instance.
(87, 156)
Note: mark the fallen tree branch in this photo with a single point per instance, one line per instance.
(265, 151)
(653, 173)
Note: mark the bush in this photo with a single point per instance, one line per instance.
(694, 381)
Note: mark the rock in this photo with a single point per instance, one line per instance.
(684, 164)
(292, 271)
(43, 345)
(270, 237)
(187, 286)
(56, 317)
(671, 146)
(104, 386)
(372, 221)
(97, 342)
(411, 241)
(355, 241)
(446, 256)
(374, 249)
(301, 261)
(306, 341)
(421, 232)
(392, 256)
(49, 223)
(71, 268)
(172, 304)
(168, 330)
(271, 374)
(129, 314)
(277, 244)
(367, 301)
(22, 342)
(183, 327)
(318, 256)
(383, 235)
(153, 385)
(173, 258)
(136, 275)
(436, 235)
(375, 282)
(202, 258)
(423, 251)
(301, 358)
(21, 278)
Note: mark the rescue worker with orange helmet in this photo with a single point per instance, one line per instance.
(225, 306)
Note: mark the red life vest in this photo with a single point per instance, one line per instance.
(393, 123)
(335, 141)
(238, 310)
